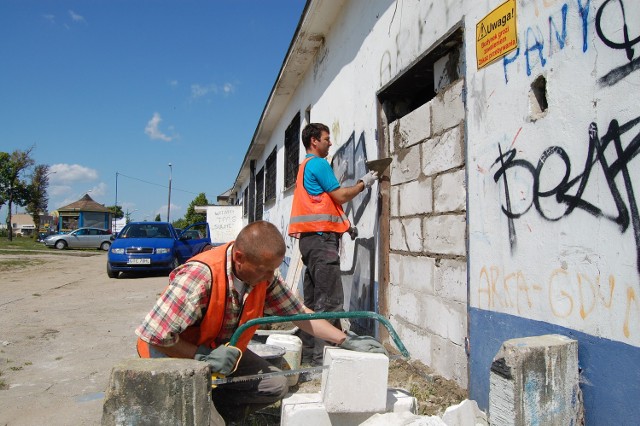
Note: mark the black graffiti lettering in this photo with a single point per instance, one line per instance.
(569, 192)
(626, 44)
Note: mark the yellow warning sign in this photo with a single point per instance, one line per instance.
(496, 34)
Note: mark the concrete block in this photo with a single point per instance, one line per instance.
(446, 319)
(417, 197)
(394, 201)
(447, 109)
(406, 165)
(308, 409)
(369, 371)
(442, 153)
(406, 234)
(445, 234)
(408, 304)
(534, 380)
(416, 340)
(412, 272)
(404, 419)
(450, 280)
(467, 413)
(450, 192)
(449, 360)
(412, 128)
(158, 392)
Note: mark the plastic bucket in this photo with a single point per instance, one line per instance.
(293, 353)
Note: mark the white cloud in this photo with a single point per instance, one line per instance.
(228, 88)
(75, 17)
(70, 173)
(58, 190)
(50, 18)
(152, 129)
(173, 83)
(200, 91)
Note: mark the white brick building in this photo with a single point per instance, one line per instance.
(509, 208)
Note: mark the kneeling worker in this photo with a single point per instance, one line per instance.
(214, 293)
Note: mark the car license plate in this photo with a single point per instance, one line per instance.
(141, 261)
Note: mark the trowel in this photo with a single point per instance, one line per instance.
(379, 165)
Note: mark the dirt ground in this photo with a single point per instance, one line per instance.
(65, 324)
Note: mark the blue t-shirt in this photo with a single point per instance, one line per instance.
(319, 177)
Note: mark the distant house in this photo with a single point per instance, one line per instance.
(22, 224)
(83, 213)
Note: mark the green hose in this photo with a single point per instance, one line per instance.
(322, 315)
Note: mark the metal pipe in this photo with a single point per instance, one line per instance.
(322, 315)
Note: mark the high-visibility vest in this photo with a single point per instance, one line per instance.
(314, 213)
(207, 330)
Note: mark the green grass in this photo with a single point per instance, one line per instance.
(21, 243)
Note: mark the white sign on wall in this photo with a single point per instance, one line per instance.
(225, 222)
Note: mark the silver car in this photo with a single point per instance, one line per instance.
(81, 238)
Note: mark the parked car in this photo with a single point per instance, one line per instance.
(154, 246)
(80, 238)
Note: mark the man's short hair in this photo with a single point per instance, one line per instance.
(260, 238)
(313, 130)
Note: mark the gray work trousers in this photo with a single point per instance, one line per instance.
(322, 285)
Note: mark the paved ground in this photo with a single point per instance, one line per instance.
(64, 325)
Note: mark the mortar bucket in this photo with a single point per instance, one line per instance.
(293, 355)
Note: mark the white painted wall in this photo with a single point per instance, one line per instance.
(573, 269)
(567, 267)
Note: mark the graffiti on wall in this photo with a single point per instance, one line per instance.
(562, 193)
(613, 41)
(348, 164)
(539, 42)
(563, 294)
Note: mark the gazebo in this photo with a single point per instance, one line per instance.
(83, 213)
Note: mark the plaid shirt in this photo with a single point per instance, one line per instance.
(186, 299)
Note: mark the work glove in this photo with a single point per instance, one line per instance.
(223, 359)
(369, 178)
(353, 342)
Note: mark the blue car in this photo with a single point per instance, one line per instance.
(155, 246)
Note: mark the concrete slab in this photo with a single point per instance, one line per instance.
(350, 370)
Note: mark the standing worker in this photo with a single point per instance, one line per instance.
(214, 293)
(318, 220)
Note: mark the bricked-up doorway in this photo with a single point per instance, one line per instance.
(423, 249)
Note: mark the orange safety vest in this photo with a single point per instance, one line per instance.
(206, 331)
(314, 213)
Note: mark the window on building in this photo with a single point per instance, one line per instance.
(270, 178)
(245, 201)
(421, 82)
(259, 193)
(292, 151)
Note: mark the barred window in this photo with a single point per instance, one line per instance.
(292, 151)
(270, 178)
(259, 193)
(245, 201)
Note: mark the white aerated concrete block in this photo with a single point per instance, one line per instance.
(467, 413)
(350, 370)
(308, 409)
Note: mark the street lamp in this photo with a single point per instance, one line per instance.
(115, 207)
(129, 213)
(169, 203)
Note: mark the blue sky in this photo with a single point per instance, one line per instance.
(127, 87)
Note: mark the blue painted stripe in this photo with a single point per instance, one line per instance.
(610, 376)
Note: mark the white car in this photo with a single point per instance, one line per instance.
(81, 238)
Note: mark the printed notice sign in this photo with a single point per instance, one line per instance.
(496, 34)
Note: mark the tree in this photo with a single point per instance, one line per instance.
(38, 197)
(117, 211)
(157, 219)
(14, 190)
(192, 216)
